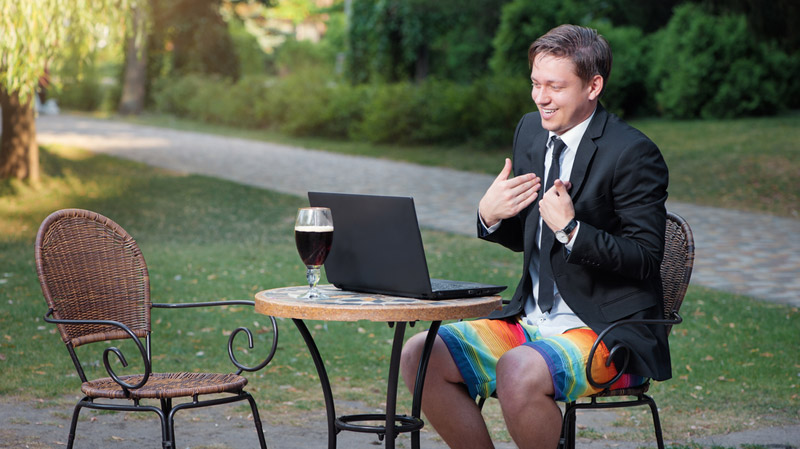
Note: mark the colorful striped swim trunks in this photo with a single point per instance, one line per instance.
(477, 345)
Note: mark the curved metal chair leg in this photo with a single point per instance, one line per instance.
(656, 420)
(257, 419)
(74, 424)
(568, 427)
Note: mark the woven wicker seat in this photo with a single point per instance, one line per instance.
(165, 385)
(676, 270)
(97, 288)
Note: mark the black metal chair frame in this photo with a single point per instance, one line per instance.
(166, 412)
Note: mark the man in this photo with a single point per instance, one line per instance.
(593, 240)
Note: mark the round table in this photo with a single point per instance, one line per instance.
(398, 312)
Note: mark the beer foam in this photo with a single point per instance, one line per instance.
(312, 228)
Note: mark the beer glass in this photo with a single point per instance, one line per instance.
(313, 234)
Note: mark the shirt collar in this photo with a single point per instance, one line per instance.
(572, 138)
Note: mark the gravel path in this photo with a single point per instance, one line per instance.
(751, 254)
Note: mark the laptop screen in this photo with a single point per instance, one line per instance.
(377, 247)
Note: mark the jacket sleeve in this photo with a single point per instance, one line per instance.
(629, 241)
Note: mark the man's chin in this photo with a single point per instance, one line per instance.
(550, 126)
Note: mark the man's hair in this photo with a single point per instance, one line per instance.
(587, 49)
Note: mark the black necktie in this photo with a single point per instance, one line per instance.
(545, 271)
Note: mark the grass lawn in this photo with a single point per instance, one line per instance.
(750, 164)
(735, 360)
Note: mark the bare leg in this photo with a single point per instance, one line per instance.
(445, 401)
(525, 391)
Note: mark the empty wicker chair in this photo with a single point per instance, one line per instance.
(97, 288)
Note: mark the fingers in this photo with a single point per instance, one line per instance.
(507, 197)
(561, 187)
(505, 172)
(555, 207)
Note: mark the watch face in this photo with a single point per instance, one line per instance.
(562, 236)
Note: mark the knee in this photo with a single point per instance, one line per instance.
(522, 375)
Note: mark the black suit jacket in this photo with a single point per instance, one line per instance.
(619, 187)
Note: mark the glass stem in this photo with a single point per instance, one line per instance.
(312, 275)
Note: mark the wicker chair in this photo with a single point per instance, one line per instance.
(97, 288)
(676, 270)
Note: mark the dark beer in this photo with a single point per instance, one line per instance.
(313, 243)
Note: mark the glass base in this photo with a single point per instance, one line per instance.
(312, 275)
(314, 293)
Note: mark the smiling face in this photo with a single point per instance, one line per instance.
(563, 99)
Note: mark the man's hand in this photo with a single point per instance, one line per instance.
(556, 206)
(505, 198)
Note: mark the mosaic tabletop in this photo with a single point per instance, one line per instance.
(352, 306)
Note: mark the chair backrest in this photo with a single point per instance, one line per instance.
(91, 269)
(676, 267)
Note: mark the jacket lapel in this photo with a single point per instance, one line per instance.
(587, 149)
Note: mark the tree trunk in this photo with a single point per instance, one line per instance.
(133, 87)
(422, 65)
(19, 152)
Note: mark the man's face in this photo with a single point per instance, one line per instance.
(563, 99)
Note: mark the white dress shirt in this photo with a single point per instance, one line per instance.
(560, 318)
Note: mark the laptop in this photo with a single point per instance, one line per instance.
(377, 248)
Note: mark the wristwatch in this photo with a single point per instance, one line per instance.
(563, 235)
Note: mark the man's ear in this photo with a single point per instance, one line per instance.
(595, 87)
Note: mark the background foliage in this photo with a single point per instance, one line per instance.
(446, 72)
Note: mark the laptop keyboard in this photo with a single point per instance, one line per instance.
(443, 284)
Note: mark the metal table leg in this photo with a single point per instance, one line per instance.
(390, 430)
(330, 411)
(416, 404)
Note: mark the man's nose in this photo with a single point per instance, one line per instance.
(539, 96)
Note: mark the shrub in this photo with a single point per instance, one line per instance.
(522, 22)
(496, 105)
(170, 94)
(391, 114)
(82, 93)
(626, 92)
(708, 66)
(248, 99)
(443, 108)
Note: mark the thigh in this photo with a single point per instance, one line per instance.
(440, 363)
(476, 346)
(566, 356)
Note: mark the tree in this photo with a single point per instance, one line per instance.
(135, 76)
(34, 33)
(396, 40)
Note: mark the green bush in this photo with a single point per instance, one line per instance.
(496, 105)
(82, 93)
(170, 94)
(626, 92)
(252, 58)
(522, 22)
(710, 66)
(305, 104)
(391, 114)
(249, 102)
(308, 105)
